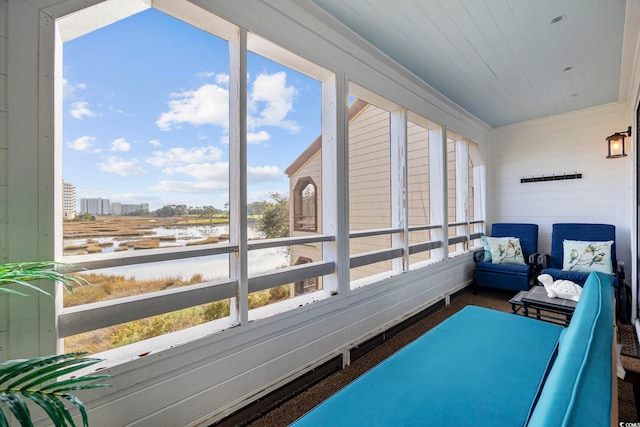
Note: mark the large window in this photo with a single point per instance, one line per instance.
(369, 186)
(171, 235)
(146, 149)
(283, 119)
(419, 201)
(201, 183)
(465, 193)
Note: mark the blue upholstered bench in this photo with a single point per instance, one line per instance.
(483, 367)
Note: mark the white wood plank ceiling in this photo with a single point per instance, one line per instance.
(505, 61)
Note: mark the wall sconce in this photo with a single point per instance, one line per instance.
(616, 144)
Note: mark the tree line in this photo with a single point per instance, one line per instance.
(273, 215)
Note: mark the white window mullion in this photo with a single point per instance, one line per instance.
(238, 175)
(330, 217)
(399, 213)
(341, 166)
(438, 189)
(462, 189)
(479, 187)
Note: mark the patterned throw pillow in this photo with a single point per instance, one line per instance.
(487, 249)
(586, 257)
(506, 250)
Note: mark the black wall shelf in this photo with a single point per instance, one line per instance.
(553, 177)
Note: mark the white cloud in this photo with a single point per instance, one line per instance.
(179, 156)
(263, 174)
(209, 104)
(120, 144)
(258, 137)
(206, 74)
(155, 143)
(222, 79)
(271, 100)
(218, 171)
(79, 110)
(122, 167)
(189, 186)
(69, 89)
(81, 144)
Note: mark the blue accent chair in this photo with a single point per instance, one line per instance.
(552, 263)
(509, 276)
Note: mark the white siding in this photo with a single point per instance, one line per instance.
(568, 143)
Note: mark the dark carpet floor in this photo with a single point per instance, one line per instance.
(297, 406)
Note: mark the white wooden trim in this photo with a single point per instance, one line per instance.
(438, 188)
(462, 190)
(119, 259)
(291, 274)
(372, 257)
(238, 175)
(374, 232)
(89, 317)
(399, 174)
(288, 241)
(341, 157)
(331, 190)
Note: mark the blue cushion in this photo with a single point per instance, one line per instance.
(514, 269)
(584, 232)
(578, 390)
(470, 370)
(574, 276)
(503, 276)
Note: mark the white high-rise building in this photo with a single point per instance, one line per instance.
(68, 200)
(118, 208)
(97, 206)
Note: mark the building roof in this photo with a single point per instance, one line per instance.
(354, 109)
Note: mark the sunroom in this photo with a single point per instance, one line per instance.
(390, 135)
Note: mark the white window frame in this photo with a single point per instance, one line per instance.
(70, 23)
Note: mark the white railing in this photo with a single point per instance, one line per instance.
(98, 315)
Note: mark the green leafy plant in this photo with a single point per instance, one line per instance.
(22, 273)
(35, 380)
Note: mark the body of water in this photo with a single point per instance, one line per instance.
(209, 267)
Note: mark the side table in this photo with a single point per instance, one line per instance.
(536, 299)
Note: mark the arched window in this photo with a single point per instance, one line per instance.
(305, 205)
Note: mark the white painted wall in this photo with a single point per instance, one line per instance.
(205, 379)
(4, 118)
(3, 128)
(566, 143)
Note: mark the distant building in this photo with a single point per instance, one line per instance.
(97, 206)
(68, 200)
(116, 208)
(126, 209)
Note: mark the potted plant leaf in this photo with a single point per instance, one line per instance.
(34, 380)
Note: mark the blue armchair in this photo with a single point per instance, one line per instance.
(553, 263)
(509, 276)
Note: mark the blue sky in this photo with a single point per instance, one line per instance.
(146, 115)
